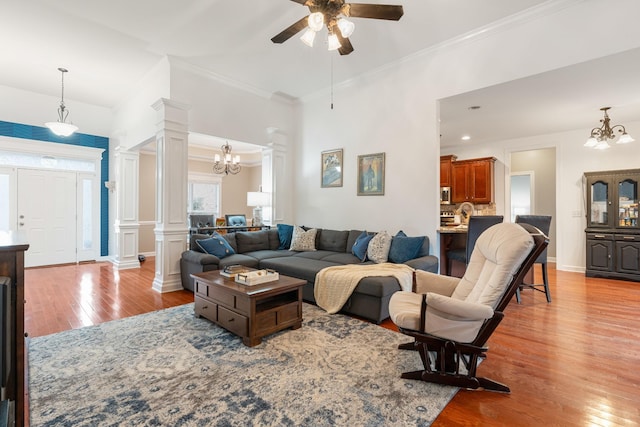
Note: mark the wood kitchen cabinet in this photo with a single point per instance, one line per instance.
(473, 180)
(445, 170)
(613, 231)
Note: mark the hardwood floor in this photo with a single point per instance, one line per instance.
(569, 363)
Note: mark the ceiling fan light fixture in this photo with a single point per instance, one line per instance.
(308, 37)
(316, 21)
(346, 27)
(333, 42)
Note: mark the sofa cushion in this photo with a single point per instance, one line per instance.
(303, 240)
(249, 241)
(231, 238)
(285, 233)
(216, 245)
(342, 258)
(246, 260)
(361, 245)
(378, 250)
(404, 248)
(332, 240)
(302, 268)
(353, 235)
(192, 242)
(268, 254)
(274, 239)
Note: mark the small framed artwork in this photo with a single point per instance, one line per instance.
(331, 168)
(371, 175)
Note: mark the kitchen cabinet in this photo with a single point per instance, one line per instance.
(473, 180)
(613, 231)
(445, 170)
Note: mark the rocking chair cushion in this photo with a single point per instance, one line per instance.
(445, 317)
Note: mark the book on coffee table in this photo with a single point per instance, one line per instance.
(231, 271)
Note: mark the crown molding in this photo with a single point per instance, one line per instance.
(547, 8)
(276, 96)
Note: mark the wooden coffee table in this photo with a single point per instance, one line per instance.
(250, 312)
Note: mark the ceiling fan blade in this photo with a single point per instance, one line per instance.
(302, 2)
(291, 31)
(375, 11)
(346, 47)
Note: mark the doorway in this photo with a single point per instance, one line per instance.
(522, 194)
(51, 192)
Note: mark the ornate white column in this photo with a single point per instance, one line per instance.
(171, 193)
(126, 226)
(276, 178)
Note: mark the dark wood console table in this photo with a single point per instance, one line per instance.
(12, 247)
(227, 229)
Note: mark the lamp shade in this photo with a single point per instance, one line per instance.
(333, 42)
(308, 37)
(316, 21)
(346, 27)
(258, 198)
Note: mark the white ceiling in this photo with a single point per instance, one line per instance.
(109, 45)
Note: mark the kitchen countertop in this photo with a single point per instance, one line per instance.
(456, 229)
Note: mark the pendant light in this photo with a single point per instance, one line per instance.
(61, 127)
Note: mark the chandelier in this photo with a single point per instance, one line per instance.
(599, 136)
(61, 127)
(227, 164)
(316, 21)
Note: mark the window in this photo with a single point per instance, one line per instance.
(204, 197)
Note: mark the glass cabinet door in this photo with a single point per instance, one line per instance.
(627, 203)
(599, 203)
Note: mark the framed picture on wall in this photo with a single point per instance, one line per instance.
(371, 175)
(331, 167)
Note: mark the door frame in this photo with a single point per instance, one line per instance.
(66, 151)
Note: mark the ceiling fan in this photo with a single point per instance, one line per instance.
(334, 14)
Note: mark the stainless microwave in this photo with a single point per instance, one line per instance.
(445, 195)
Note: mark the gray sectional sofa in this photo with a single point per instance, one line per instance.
(259, 249)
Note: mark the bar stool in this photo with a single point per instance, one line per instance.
(477, 224)
(543, 223)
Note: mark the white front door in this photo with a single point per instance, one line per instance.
(47, 213)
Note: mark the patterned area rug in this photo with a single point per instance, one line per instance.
(169, 368)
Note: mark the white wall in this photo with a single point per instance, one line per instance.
(395, 110)
(35, 109)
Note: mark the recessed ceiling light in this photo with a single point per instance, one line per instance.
(465, 137)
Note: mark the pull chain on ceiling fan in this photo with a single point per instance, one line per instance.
(334, 14)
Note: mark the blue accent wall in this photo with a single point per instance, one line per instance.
(17, 130)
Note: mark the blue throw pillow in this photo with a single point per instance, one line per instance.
(360, 246)
(216, 245)
(404, 248)
(285, 233)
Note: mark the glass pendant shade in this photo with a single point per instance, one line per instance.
(591, 142)
(61, 128)
(346, 27)
(333, 42)
(308, 37)
(625, 138)
(602, 145)
(316, 21)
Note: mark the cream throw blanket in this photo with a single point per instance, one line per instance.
(334, 285)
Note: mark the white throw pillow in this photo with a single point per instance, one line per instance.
(303, 240)
(378, 250)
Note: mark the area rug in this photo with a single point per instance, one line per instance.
(169, 368)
